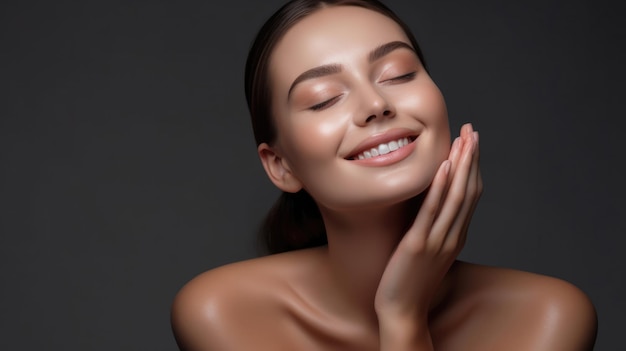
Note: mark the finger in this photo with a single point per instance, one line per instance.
(466, 131)
(455, 239)
(455, 149)
(421, 227)
(454, 199)
(479, 191)
(463, 138)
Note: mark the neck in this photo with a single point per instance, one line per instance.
(359, 247)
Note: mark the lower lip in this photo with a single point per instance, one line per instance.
(388, 159)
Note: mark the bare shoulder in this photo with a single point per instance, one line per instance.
(217, 308)
(527, 310)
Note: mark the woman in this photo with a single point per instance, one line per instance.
(375, 209)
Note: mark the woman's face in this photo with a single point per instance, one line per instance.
(346, 86)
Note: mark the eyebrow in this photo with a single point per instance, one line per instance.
(316, 72)
(326, 70)
(385, 49)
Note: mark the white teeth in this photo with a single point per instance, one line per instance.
(393, 146)
(384, 149)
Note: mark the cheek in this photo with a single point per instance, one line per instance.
(311, 143)
(427, 104)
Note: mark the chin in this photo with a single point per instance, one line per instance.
(400, 194)
(387, 191)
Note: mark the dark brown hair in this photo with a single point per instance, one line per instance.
(294, 222)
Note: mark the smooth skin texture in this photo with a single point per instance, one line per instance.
(377, 285)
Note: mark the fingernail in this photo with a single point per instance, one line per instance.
(475, 135)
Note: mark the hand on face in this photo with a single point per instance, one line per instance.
(423, 257)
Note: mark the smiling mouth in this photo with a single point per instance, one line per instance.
(383, 148)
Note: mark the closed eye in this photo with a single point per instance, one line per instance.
(324, 104)
(403, 78)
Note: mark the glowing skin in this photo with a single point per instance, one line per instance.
(344, 82)
(355, 105)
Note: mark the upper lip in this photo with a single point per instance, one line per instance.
(381, 138)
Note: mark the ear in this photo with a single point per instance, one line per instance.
(278, 170)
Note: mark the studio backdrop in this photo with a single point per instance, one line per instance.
(128, 165)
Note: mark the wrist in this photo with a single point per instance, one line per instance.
(404, 335)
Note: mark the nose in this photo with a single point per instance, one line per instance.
(375, 107)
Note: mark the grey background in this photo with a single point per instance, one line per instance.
(128, 164)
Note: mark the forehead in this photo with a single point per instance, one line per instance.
(336, 34)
